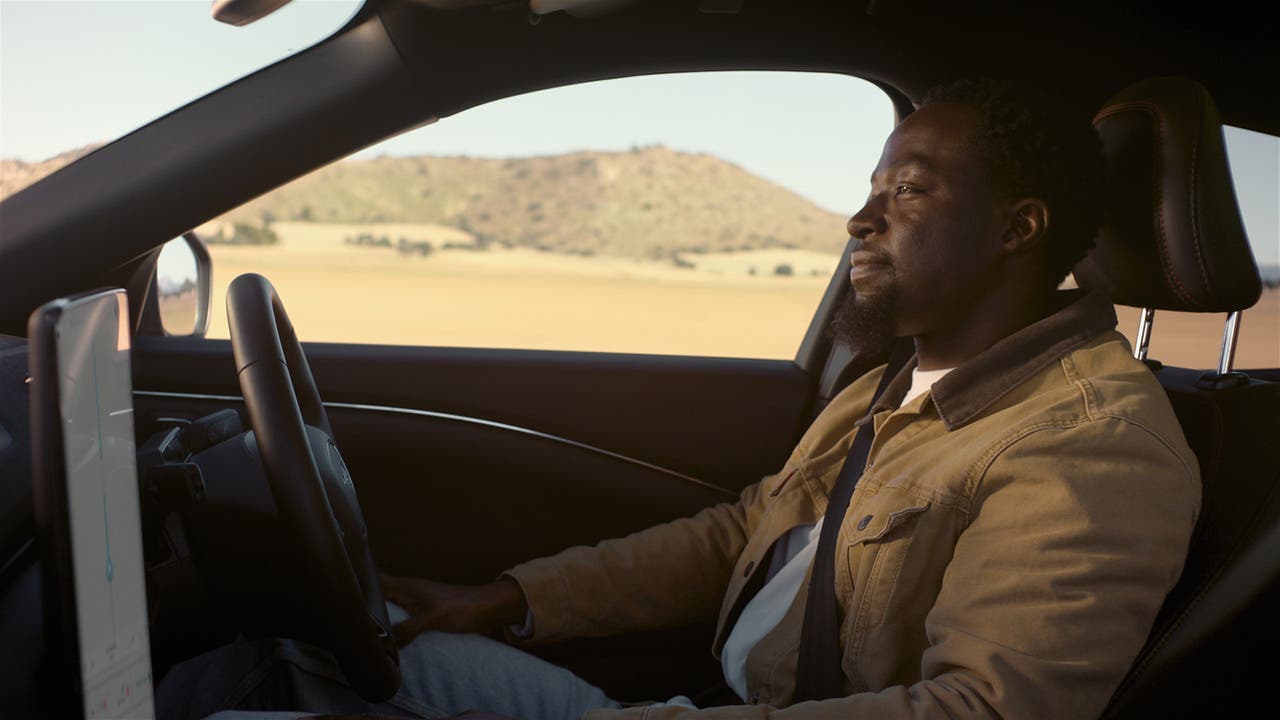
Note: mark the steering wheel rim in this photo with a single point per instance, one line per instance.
(313, 491)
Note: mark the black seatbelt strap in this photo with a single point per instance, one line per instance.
(819, 675)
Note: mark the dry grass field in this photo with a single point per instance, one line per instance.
(528, 299)
(178, 311)
(521, 298)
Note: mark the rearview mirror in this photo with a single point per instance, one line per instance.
(243, 12)
(182, 281)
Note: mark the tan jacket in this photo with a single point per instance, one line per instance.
(1004, 554)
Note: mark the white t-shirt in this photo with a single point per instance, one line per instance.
(792, 556)
(921, 381)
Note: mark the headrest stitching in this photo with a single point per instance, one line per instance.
(1171, 278)
(1194, 203)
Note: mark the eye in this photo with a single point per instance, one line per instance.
(903, 190)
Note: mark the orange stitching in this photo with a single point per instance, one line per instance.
(1194, 205)
(1162, 243)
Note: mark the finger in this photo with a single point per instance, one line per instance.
(406, 631)
(395, 589)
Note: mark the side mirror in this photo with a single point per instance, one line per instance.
(182, 286)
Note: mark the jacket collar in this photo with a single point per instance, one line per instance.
(968, 390)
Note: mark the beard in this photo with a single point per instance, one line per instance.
(866, 323)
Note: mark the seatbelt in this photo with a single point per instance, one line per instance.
(819, 675)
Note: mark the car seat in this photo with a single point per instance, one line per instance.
(1174, 240)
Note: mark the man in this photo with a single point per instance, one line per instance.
(1026, 503)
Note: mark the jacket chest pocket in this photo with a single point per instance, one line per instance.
(879, 533)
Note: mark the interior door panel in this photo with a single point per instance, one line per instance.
(723, 420)
(469, 461)
(459, 500)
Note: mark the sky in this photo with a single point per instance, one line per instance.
(84, 71)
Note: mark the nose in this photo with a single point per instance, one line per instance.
(867, 221)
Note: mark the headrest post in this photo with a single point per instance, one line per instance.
(1145, 320)
(1230, 334)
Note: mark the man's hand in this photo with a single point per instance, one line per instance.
(454, 608)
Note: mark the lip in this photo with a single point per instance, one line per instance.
(862, 273)
(864, 265)
(866, 257)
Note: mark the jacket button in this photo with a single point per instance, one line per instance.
(862, 524)
(750, 566)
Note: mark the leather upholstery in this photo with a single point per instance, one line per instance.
(1204, 655)
(1173, 238)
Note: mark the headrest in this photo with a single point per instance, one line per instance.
(1172, 238)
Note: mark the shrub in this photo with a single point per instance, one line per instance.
(246, 234)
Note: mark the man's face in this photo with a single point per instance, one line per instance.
(929, 236)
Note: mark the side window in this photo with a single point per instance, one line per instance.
(691, 214)
(1194, 339)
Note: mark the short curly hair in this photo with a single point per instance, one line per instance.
(1038, 146)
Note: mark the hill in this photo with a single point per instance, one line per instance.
(17, 174)
(652, 202)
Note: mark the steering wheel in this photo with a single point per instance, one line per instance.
(313, 492)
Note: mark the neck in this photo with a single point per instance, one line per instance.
(986, 322)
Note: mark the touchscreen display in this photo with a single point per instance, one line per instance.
(102, 498)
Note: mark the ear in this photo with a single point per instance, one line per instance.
(1028, 225)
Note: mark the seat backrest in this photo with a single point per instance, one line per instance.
(1208, 644)
(1174, 240)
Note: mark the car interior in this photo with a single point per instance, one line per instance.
(470, 460)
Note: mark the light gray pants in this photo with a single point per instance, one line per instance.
(443, 674)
